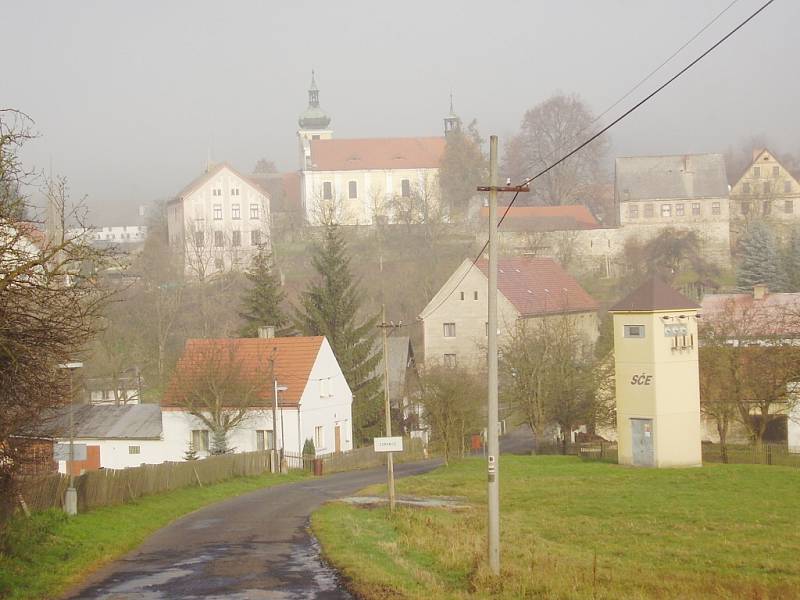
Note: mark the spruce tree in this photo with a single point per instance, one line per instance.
(791, 261)
(262, 300)
(332, 306)
(760, 259)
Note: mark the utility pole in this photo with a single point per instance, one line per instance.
(71, 495)
(493, 443)
(384, 326)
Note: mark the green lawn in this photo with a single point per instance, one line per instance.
(573, 529)
(42, 556)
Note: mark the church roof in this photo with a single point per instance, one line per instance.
(377, 153)
(653, 295)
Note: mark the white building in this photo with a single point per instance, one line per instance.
(315, 404)
(363, 181)
(218, 221)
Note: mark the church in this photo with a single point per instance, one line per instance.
(365, 181)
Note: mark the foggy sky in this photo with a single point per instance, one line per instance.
(130, 97)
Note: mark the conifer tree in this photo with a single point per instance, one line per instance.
(331, 306)
(791, 261)
(760, 259)
(262, 301)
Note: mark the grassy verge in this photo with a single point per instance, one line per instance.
(573, 529)
(42, 556)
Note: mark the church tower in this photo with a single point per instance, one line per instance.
(314, 125)
(451, 121)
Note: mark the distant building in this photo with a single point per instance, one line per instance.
(573, 217)
(218, 221)
(766, 189)
(454, 323)
(363, 181)
(110, 390)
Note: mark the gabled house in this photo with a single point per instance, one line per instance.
(403, 382)
(218, 221)
(455, 321)
(766, 189)
(314, 400)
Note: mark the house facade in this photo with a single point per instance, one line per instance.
(314, 399)
(766, 189)
(218, 221)
(363, 181)
(455, 321)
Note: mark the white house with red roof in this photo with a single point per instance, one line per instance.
(218, 221)
(314, 399)
(455, 321)
(362, 180)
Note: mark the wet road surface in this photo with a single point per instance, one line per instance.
(256, 546)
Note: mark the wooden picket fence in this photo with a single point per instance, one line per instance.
(360, 458)
(106, 487)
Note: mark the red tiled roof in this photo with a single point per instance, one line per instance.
(549, 218)
(377, 153)
(774, 314)
(538, 286)
(294, 358)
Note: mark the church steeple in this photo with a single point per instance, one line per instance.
(451, 121)
(314, 118)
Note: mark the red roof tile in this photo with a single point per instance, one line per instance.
(377, 153)
(538, 286)
(545, 218)
(294, 358)
(774, 314)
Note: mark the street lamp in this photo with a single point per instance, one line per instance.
(277, 388)
(71, 495)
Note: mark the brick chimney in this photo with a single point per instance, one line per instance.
(266, 331)
(760, 291)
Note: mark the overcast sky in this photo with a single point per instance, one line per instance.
(130, 97)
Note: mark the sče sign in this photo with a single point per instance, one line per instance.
(641, 379)
(388, 444)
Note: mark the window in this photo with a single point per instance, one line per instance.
(756, 171)
(776, 171)
(199, 239)
(315, 136)
(475, 295)
(352, 189)
(449, 330)
(319, 437)
(755, 188)
(218, 212)
(219, 239)
(745, 208)
(634, 331)
(679, 210)
(234, 191)
(236, 212)
(216, 192)
(200, 440)
(633, 211)
(648, 210)
(450, 360)
(327, 190)
(767, 187)
(745, 188)
(324, 388)
(254, 211)
(766, 208)
(219, 264)
(788, 206)
(695, 209)
(715, 208)
(487, 329)
(666, 210)
(405, 188)
(462, 295)
(265, 440)
(236, 238)
(787, 187)
(134, 450)
(255, 237)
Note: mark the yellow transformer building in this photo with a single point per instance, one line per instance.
(657, 378)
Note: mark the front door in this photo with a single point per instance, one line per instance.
(338, 438)
(642, 437)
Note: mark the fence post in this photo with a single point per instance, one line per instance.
(769, 454)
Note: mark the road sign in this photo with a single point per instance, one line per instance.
(61, 451)
(388, 444)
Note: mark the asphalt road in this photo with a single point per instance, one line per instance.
(256, 546)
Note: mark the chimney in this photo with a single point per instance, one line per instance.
(760, 291)
(266, 331)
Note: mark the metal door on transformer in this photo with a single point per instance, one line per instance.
(642, 442)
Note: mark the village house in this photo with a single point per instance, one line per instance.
(314, 399)
(454, 323)
(218, 221)
(361, 181)
(766, 189)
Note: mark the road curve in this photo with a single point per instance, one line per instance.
(255, 546)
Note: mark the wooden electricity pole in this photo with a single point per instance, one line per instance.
(493, 442)
(384, 326)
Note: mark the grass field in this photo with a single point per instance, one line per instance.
(573, 529)
(42, 556)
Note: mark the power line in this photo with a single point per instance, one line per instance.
(618, 119)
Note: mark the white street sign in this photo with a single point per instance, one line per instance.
(61, 451)
(388, 444)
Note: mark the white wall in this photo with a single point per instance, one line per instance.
(115, 454)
